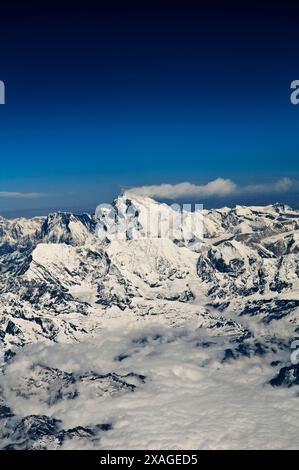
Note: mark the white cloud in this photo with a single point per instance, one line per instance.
(190, 400)
(19, 195)
(280, 186)
(217, 187)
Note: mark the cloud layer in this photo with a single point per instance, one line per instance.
(217, 405)
(19, 195)
(218, 187)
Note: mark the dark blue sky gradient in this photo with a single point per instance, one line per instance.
(100, 98)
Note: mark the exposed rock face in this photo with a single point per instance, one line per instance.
(287, 377)
(39, 432)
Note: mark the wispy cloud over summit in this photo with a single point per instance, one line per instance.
(217, 188)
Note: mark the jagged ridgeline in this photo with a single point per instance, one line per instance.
(55, 271)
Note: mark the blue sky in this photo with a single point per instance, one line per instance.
(104, 98)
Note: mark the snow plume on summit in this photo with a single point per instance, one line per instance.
(219, 187)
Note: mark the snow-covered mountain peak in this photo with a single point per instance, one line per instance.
(65, 227)
(134, 217)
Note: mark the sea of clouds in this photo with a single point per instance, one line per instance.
(190, 398)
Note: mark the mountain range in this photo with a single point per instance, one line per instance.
(86, 312)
